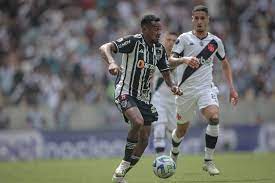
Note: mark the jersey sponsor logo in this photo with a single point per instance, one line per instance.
(124, 44)
(120, 40)
(141, 64)
(205, 61)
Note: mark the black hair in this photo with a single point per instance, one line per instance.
(172, 33)
(200, 8)
(148, 19)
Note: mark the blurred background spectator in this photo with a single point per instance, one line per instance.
(50, 67)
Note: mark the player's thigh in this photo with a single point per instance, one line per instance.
(185, 108)
(128, 106)
(148, 112)
(207, 97)
(208, 103)
(134, 115)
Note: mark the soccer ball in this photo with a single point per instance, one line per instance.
(164, 166)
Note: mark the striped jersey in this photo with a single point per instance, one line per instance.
(138, 65)
(188, 44)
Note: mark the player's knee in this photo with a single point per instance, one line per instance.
(214, 120)
(138, 123)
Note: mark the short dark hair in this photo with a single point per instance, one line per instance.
(200, 8)
(148, 19)
(172, 33)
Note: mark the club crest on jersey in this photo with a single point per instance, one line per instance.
(179, 116)
(158, 53)
(211, 47)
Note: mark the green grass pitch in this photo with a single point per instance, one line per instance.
(235, 168)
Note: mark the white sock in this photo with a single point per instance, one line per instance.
(176, 140)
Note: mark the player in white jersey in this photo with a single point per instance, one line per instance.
(193, 54)
(164, 101)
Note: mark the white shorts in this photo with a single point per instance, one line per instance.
(187, 104)
(166, 112)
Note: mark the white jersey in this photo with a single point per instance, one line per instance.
(205, 50)
(161, 90)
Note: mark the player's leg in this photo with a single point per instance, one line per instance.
(141, 145)
(211, 113)
(177, 137)
(185, 107)
(159, 137)
(133, 115)
(159, 126)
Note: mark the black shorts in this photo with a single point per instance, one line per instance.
(148, 111)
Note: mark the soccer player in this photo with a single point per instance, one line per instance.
(141, 53)
(164, 101)
(193, 54)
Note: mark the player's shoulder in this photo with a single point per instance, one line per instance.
(159, 45)
(185, 35)
(135, 37)
(215, 37)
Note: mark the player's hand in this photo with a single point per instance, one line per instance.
(114, 69)
(234, 97)
(176, 90)
(193, 62)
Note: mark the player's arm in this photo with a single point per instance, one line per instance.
(106, 51)
(175, 60)
(167, 78)
(228, 75)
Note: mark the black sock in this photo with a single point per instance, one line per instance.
(134, 161)
(210, 141)
(129, 147)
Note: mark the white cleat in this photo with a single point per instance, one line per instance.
(174, 156)
(210, 167)
(120, 172)
(116, 179)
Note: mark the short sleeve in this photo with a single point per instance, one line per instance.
(178, 46)
(125, 44)
(163, 62)
(220, 51)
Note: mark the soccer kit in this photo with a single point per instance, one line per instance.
(164, 101)
(138, 65)
(196, 83)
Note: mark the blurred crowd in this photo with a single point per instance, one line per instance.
(49, 49)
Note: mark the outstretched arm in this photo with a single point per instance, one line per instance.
(106, 54)
(228, 75)
(167, 78)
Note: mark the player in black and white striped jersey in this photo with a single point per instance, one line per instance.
(141, 54)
